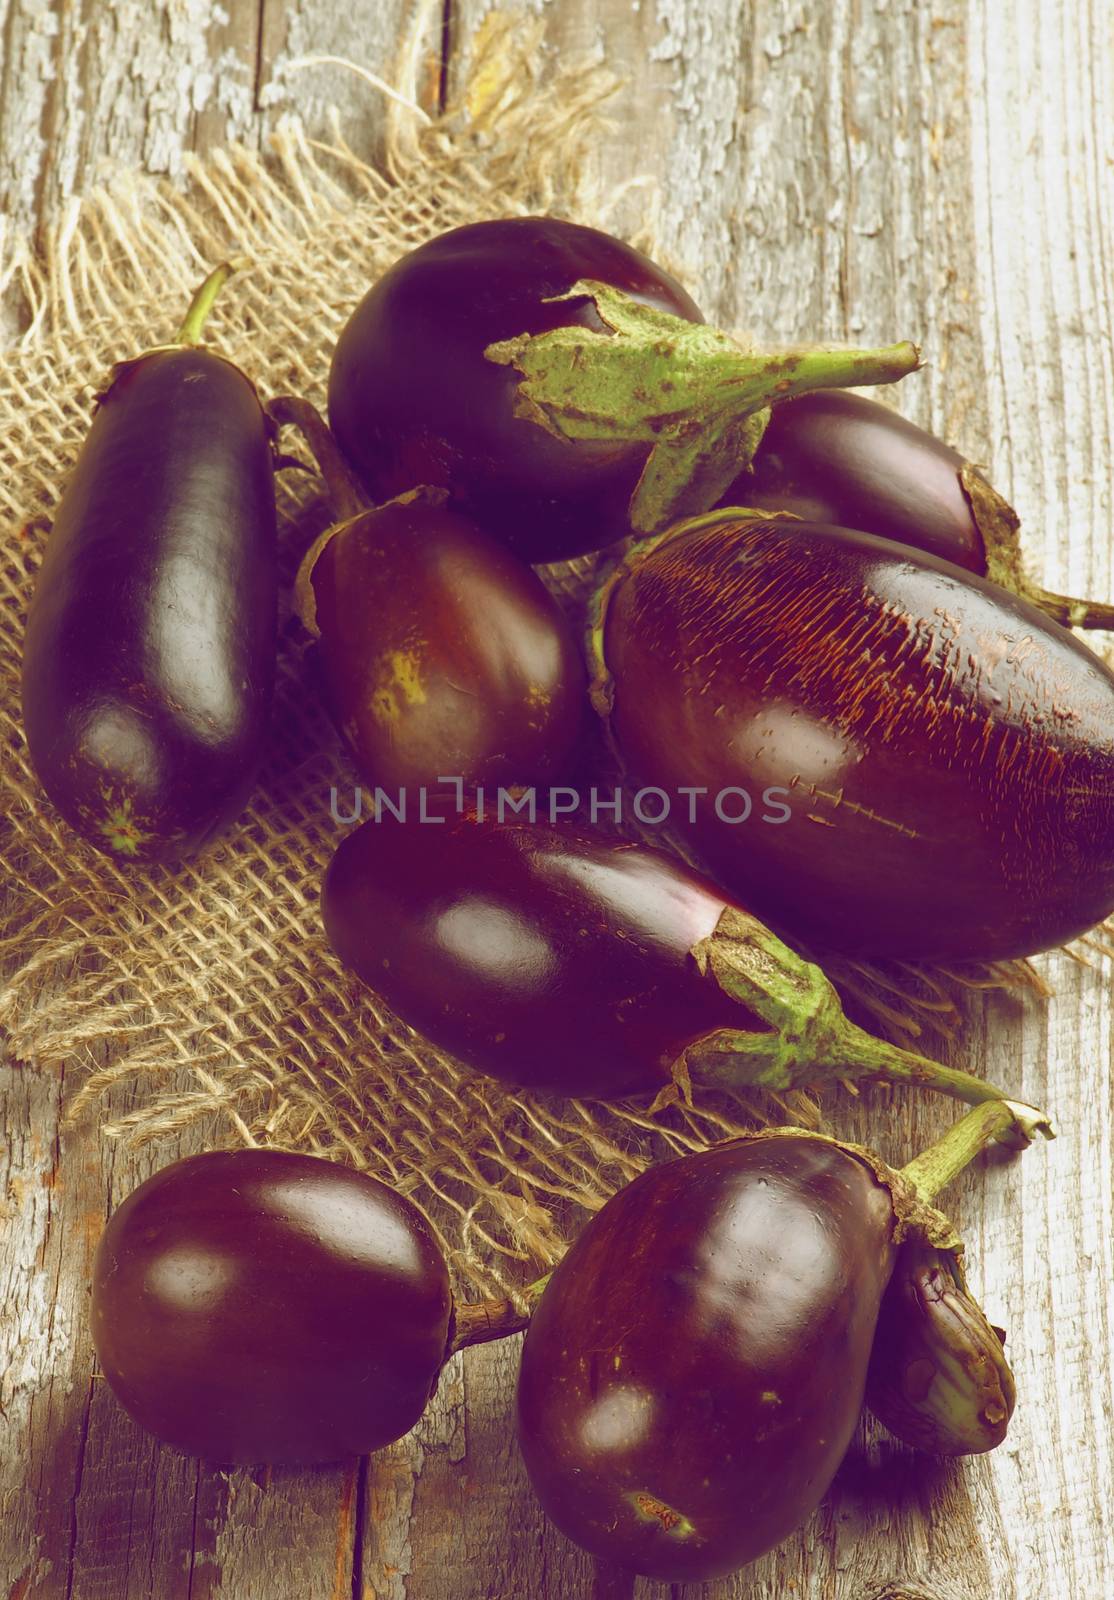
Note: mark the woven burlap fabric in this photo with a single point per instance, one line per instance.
(211, 987)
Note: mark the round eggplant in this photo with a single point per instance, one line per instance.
(256, 1306)
(412, 399)
(694, 1371)
(561, 959)
(558, 384)
(938, 1376)
(442, 657)
(946, 751)
(149, 655)
(840, 458)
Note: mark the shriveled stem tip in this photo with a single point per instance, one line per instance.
(998, 1121)
(345, 493)
(481, 1321)
(1065, 610)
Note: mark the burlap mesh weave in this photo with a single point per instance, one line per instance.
(212, 986)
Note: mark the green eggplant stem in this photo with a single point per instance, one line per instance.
(1004, 1121)
(691, 392)
(203, 301)
(807, 1038)
(345, 494)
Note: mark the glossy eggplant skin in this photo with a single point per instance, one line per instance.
(947, 750)
(837, 457)
(442, 655)
(938, 1377)
(553, 958)
(693, 1374)
(256, 1306)
(149, 655)
(412, 398)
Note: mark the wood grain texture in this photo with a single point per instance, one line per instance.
(866, 169)
(144, 82)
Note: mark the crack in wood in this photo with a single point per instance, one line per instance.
(359, 1527)
(79, 1473)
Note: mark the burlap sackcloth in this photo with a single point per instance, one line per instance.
(212, 987)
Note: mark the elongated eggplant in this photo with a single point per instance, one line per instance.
(694, 1371)
(558, 384)
(149, 655)
(560, 959)
(256, 1306)
(442, 656)
(947, 750)
(841, 458)
(938, 1377)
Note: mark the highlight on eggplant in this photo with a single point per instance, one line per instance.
(564, 960)
(693, 1373)
(149, 653)
(558, 384)
(949, 750)
(841, 458)
(440, 654)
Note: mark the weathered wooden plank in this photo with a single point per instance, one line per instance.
(142, 82)
(450, 1512)
(91, 1507)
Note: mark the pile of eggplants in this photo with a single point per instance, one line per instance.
(693, 1369)
(817, 600)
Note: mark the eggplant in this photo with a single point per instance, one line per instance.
(938, 1377)
(946, 750)
(149, 655)
(441, 656)
(627, 407)
(259, 1306)
(693, 1373)
(844, 459)
(560, 959)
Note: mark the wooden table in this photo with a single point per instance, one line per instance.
(922, 168)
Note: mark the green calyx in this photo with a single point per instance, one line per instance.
(807, 1038)
(999, 527)
(938, 1377)
(689, 391)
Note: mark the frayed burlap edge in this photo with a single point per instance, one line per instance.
(211, 991)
